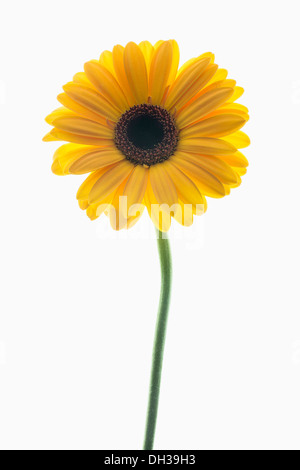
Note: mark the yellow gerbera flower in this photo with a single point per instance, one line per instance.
(164, 138)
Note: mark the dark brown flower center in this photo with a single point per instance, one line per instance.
(146, 134)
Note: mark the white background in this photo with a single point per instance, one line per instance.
(78, 303)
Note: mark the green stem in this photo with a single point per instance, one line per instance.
(160, 336)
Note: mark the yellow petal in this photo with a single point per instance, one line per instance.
(238, 92)
(106, 59)
(213, 165)
(136, 72)
(186, 189)
(147, 50)
(109, 181)
(190, 200)
(185, 80)
(136, 186)
(197, 85)
(94, 211)
(79, 125)
(57, 134)
(235, 160)
(56, 168)
(205, 146)
(186, 65)
(202, 106)
(59, 112)
(158, 44)
(118, 211)
(239, 140)
(69, 103)
(235, 106)
(209, 55)
(213, 86)
(86, 187)
(82, 79)
(118, 58)
(184, 214)
(221, 74)
(240, 171)
(66, 155)
(160, 69)
(106, 84)
(162, 185)
(226, 111)
(175, 62)
(95, 160)
(160, 217)
(115, 210)
(92, 100)
(216, 126)
(207, 183)
(134, 219)
(83, 205)
(193, 60)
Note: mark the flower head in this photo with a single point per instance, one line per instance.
(150, 135)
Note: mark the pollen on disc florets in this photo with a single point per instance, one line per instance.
(146, 134)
